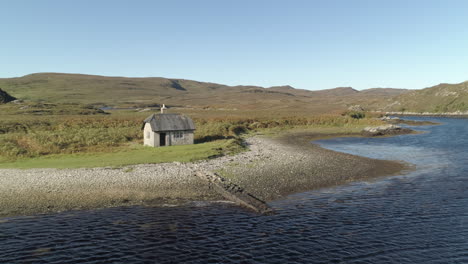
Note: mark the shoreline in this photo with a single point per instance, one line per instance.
(448, 115)
(302, 165)
(272, 168)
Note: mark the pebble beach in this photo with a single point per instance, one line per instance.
(271, 168)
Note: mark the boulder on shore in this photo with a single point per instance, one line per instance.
(385, 130)
(5, 97)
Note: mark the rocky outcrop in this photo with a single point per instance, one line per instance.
(5, 97)
(385, 130)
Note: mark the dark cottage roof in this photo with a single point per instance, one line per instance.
(169, 122)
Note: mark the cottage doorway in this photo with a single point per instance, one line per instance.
(162, 139)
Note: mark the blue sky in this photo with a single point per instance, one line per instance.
(306, 44)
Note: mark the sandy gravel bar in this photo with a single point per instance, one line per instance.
(292, 164)
(271, 169)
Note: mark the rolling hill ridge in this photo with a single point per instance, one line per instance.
(141, 92)
(441, 98)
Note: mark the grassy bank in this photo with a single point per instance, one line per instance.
(127, 156)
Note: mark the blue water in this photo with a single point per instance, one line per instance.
(419, 217)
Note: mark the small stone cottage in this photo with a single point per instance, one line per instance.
(168, 130)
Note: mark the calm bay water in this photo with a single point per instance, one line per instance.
(420, 217)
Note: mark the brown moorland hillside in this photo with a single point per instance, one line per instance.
(437, 99)
(142, 92)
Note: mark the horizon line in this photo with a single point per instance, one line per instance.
(211, 82)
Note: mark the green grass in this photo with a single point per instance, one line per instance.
(129, 156)
(41, 109)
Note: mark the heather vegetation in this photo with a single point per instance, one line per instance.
(30, 136)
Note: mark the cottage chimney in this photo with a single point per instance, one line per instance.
(163, 108)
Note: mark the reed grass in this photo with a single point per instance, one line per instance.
(27, 136)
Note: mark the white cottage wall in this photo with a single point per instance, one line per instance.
(189, 137)
(149, 137)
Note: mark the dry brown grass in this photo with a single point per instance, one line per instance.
(33, 136)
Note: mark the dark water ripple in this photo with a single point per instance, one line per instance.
(421, 217)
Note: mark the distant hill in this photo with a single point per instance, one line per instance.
(384, 91)
(339, 91)
(141, 92)
(437, 99)
(5, 97)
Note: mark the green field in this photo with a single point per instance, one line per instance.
(136, 154)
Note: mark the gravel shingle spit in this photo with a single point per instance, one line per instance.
(271, 169)
(291, 164)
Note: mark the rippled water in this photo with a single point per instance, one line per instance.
(421, 217)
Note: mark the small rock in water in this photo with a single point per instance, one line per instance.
(388, 118)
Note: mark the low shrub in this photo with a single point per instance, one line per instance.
(356, 114)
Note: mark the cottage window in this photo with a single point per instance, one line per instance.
(147, 134)
(178, 134)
